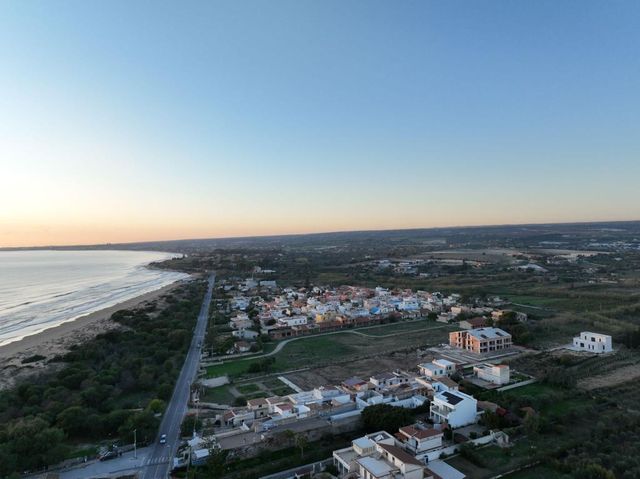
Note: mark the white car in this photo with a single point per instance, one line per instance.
(163, 439)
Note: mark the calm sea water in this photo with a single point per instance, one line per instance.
(42, 289)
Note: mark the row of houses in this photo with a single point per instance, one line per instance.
(431, 385)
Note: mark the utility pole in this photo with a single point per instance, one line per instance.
(135, 450)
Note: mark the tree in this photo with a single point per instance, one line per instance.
(216, 464)
(34, 443)
(156, 406)
(594, 471)
(532, 423)
(189, 424)
(144, 422)
(74, 421)
(301, 442)
(288, 436)
(385, 417)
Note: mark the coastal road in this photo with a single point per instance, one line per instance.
(160, 459)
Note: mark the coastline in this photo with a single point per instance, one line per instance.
(56, 340)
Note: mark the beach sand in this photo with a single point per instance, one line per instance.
(55, 341)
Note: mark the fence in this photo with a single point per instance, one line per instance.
(296, 471)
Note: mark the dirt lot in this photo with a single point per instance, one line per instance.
(613, 378)
(364, 368)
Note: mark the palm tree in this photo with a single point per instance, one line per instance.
(301, 442)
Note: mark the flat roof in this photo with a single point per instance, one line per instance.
(444, 470)
(363, 442)
(447, 381)
(488, 333)
(451, 397)
(377, 467)
(446, 362)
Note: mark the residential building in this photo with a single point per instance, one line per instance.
(242, 346)
(455, 408)
(245, 334)
(481, 340)
(493, 373)
(418, 439)
(259, 406)
(376, 456)
(473, 323)
(293, 321)
(437, 367)
(593, 342)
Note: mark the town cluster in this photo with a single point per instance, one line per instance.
(261, 308)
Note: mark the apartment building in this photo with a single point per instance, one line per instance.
(481, 340)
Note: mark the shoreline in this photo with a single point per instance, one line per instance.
(56, 340)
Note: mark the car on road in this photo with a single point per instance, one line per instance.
(163, 439)
(109, 455)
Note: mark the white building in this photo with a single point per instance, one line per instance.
(493, 373)
(293, 321)
(454, 407)
(418, 440)
(345, 459)
(245, 334)
(593, 342)
(437, 367)
(376, 456)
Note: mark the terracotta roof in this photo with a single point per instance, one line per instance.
(400, 454)
(420, 433)
(477, 321)
(257, 402)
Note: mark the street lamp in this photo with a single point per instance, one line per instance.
(135, 437)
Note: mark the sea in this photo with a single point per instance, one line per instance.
(43, 289)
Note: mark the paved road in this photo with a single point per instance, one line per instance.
(96, 469)
(160, 459)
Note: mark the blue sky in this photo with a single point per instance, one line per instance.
(150, 120)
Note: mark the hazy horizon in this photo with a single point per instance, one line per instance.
(129, 122)
(325, 232)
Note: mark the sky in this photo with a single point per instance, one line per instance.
(148, 120)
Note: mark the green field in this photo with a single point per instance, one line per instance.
(248, 388)
(316, 351)
(219, 395)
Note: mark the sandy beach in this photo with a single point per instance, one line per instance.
(57, 340)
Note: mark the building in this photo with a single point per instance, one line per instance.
(418, 439)
(493, 373)
(345, 459)
(437, 367)
(259, 406)
(481, 340)
(293, 321)
(441, 470)
(242, 346)
(245, 334)
(455, 408)
(473, 323)
(593, 342)
(375, 456)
